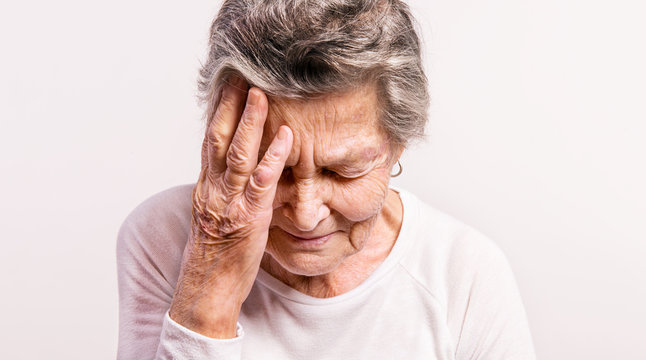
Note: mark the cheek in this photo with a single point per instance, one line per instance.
(361, 231)
(360, 199)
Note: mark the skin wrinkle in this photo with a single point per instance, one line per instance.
(281, 111)
(312, 202)
(194, 269)
(300, 50)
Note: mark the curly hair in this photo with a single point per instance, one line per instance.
(307, 48)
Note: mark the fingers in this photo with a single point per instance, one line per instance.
(261, 188)
(220, 130)
(242, 155)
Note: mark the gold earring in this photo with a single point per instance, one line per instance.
(400, 170)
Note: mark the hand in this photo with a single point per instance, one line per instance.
(232, 210)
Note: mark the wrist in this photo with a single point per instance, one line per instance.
(211, 318)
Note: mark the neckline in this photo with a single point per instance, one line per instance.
(404, 238)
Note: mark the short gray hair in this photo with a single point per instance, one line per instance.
(306, 48)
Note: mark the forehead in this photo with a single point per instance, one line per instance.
(337, 126)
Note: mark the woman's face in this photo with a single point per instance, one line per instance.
(334, 183)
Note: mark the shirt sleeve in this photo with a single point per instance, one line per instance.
(178, 342)
(149, 250)
(489, 318)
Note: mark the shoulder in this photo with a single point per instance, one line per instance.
(471, 278)
(444, 252)
(167, 209)
(154, 234)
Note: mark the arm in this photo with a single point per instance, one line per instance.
(231, 211)
(148, 254)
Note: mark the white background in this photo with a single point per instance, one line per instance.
(536, 138)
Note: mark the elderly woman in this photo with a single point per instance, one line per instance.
(292, 245)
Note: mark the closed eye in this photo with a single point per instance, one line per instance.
(287, 173)
(335, 175)
(329, 172)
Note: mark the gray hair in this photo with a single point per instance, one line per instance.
(305, 48)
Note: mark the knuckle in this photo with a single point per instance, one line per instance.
(227, 101)
(259, 187)
(235, 225)
(219, 117)
(210, 177)
(227, 186)
(273, 155)
(262, 178)
(248, 122)
(250, 116)
(214, 136)
(205, 153)
(225, 107)
(236, 159)
(205, 143)
(220, 218)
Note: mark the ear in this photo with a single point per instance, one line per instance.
(395, 154)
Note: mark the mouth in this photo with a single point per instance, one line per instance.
(311, 241)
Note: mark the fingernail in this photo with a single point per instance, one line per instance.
(253, 98)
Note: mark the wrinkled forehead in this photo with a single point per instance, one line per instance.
(340, 116)
(334, 126)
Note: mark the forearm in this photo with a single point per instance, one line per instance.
(207, 298)
(214, 317)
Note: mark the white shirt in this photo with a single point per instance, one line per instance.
(444, 292)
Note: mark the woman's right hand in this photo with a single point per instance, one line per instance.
(232, 210)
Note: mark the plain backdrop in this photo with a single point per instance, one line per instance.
(536, 138)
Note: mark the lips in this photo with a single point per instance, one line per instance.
(310, 237)
(309, 241)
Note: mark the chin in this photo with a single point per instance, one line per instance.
(304, 264)
(307, 261)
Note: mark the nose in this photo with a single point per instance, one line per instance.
(304, 204)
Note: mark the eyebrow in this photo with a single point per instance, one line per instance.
(344, 157)
(351, 156)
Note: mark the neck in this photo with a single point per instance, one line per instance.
(356, 268)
